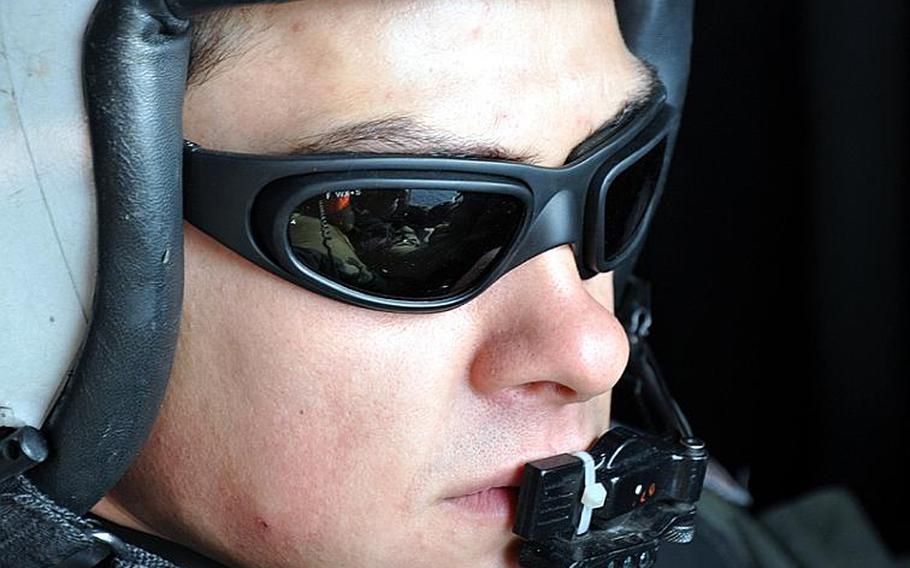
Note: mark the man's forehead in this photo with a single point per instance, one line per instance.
(408, 135)
(512, 85)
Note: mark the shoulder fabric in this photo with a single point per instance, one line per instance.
(37, 533)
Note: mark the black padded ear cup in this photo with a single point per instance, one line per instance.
(134, 74)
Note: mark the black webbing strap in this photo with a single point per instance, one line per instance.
(35, 532)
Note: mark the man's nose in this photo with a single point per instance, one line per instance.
(549, 334)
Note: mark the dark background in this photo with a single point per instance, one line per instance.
(779, 256)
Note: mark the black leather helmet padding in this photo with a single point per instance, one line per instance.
(134, 69)
(660, 32)
(134, 76)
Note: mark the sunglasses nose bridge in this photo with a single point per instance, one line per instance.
(558, 223)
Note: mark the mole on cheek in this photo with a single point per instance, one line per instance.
(261, 523)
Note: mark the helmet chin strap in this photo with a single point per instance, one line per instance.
(613, 504)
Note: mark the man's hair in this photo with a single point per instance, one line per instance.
(215, 38)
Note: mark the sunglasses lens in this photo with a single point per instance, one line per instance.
(405, 243)
(628, 199)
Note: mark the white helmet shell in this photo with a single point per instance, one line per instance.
(47, 207)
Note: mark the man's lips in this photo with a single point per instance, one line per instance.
(494, 503)
(508, 477)
(493, 498)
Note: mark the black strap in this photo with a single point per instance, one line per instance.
(95, 555)
(35, 532)
(179, 555)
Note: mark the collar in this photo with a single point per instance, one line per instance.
(171, 551)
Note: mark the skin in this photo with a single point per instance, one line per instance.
(300, 431)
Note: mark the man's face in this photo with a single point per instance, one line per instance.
(300, 431)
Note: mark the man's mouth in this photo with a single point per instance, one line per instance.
(493, 503)
(493, 499)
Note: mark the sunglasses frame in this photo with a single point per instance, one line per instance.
(242, 201)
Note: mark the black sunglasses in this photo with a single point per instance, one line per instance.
(410, 233)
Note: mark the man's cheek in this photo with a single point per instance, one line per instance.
(348, 435)
(339, 468)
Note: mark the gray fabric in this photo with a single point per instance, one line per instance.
(829, 529)
(726, 536)
(824, 529)
(37, 533)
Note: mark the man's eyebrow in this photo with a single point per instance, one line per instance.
(404, 135)
(407, 135)
(649, 86)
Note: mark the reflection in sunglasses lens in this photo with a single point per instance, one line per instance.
(404, 243)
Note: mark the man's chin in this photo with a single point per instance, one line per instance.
(476, 530)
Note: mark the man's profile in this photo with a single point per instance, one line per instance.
(401, 225)
(298, 400)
